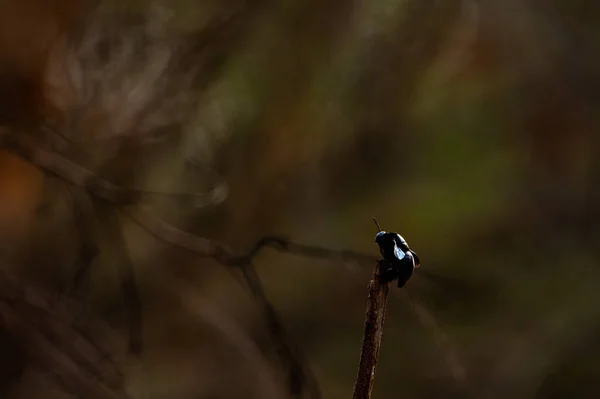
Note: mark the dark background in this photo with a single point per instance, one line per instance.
(469, 127)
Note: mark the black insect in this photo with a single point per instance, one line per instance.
(398, 260)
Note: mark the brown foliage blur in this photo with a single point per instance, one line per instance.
(468, 126)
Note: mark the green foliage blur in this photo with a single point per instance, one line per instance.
(469, 127)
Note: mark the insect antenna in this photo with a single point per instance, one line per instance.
(377, 224)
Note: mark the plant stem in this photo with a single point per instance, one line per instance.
(375, 316)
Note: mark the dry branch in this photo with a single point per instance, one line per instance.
(375, 316)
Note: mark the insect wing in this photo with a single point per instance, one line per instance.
(398, 253)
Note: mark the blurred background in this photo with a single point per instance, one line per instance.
(468, 126)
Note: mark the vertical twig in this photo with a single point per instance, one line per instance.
(375, 316)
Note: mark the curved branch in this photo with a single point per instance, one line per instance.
(72, 172)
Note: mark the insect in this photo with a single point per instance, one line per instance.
(398, 260)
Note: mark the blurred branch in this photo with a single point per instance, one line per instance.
(283, 245)
(299, 376)
(375, 316)
(76, 362)
(70, 171)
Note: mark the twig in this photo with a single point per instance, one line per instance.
(375, 316)
(94, 184)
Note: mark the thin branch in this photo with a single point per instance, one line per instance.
(166, 232)
(299, 376)
(95, 185)
(375, 316)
